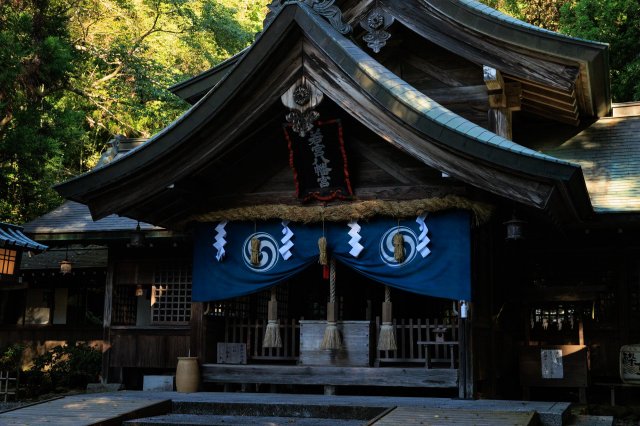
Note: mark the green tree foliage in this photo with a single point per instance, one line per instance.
(616, 22)
(73, 73)
(36, 62)
(542, 13)
(60, 369)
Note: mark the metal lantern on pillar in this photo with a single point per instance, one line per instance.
(515, 229)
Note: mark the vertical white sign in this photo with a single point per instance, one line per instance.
(551, 363)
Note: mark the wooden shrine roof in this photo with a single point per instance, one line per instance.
(81, 256)
(609, 153)
(152, 182)
(75, 218)
(496, 39)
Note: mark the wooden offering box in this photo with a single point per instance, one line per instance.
(356, 344)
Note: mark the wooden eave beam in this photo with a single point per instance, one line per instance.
(550, 103)
(101, 237)
(553, 109)
(451, 95)
(432, 70)
(544, 112)
(427, 21)
(591, 57)
(550, 100)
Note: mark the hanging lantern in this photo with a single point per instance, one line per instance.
(515, 229)
(65, 267)
(139, 291)
(137, 237)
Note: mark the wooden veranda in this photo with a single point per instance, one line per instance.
(427, 356)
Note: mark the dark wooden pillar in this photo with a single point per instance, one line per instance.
(106, 322)
(197, 338)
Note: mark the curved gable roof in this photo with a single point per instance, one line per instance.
(505, 32)
(375, 96)
(592, 56)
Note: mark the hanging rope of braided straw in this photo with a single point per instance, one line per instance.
(332, 339)
(255, 249)
(356, 210)
(387, 337)
(272, 331)
(398, 245)
(323, 257)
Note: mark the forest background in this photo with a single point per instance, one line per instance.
(74, 73)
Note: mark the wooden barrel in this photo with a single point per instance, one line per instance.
(630, 364)
(187, 374)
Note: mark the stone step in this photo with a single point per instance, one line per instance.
(226, 420)
(281, 409)
(583, 420)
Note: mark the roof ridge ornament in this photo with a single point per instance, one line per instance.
(325, 8)
(301, 99)
(375, 23)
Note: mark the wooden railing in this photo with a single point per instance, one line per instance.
(251, 333)
(433, 342)
(430, 342)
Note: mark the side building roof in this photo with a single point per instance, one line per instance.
(11, 237)
(73, 221)
(609, 153)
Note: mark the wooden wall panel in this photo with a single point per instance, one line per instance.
(123, 351)
(148, 348)
(176, 346)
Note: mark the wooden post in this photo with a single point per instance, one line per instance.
(466, 389)
(462, 358)
(582, 391)
(106, 322)
(470, 390)
(581, 332)
(504, 98)
(197, 337)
